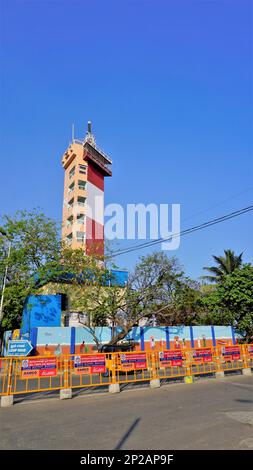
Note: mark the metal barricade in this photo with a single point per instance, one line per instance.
(47, 373)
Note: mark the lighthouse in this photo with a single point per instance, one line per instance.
(85, 167)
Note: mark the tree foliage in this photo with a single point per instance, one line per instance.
(34, 252)
(224, 265)
(153, 290)
(231, 303)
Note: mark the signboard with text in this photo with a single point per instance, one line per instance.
(19, 347)
(250, 350)
(202, 355)
(133, 361)
(231, 353)
(34, 368)
(171, 358)
(89, 364)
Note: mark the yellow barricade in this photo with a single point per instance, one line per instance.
(32, 374)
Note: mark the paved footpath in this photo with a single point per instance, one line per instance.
(210, 414)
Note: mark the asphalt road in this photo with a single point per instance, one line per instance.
(209, 414)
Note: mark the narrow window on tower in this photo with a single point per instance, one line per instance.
(71, 203)
(82, 169)
(81, 201)
(81, 185)
(72, 172)
(80, 236)
(80, 219)
(69, 221)
(69, 239)
(71, 188)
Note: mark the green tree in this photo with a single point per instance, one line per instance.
(151, 292)
(231, 303)
(224, 265)
(185, 305)
(35, 251)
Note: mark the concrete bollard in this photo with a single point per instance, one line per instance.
(6, 401)
(155, 383)
(188, 379)
(219, 375)
(114, 388)
(246, 371)
(65, 393)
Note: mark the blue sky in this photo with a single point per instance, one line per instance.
(167, 85)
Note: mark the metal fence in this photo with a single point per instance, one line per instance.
(21, 375)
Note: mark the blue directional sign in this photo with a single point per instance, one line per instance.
(19, 347)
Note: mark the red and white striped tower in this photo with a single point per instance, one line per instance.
(85, 168)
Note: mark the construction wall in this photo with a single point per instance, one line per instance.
(75, 340)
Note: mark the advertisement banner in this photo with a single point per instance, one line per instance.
(133, 361)
(250, 350)
(231, 353)
(89, 364)
(34, 368)
(171, 358)
(202, 355)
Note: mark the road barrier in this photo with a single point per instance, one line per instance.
(32, 374)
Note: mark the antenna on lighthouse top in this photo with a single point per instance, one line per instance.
(89, 136)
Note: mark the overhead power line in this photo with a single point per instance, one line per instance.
(195, 228)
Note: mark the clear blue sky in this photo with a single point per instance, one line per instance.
(168, 87)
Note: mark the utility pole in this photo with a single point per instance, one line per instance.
(2, 232)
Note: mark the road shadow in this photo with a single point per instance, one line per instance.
(240, 400)
(127, 434)
(35, 396)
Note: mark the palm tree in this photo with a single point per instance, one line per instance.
(225, 265)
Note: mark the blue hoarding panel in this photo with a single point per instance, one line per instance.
(41, 310)
(118, 278)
